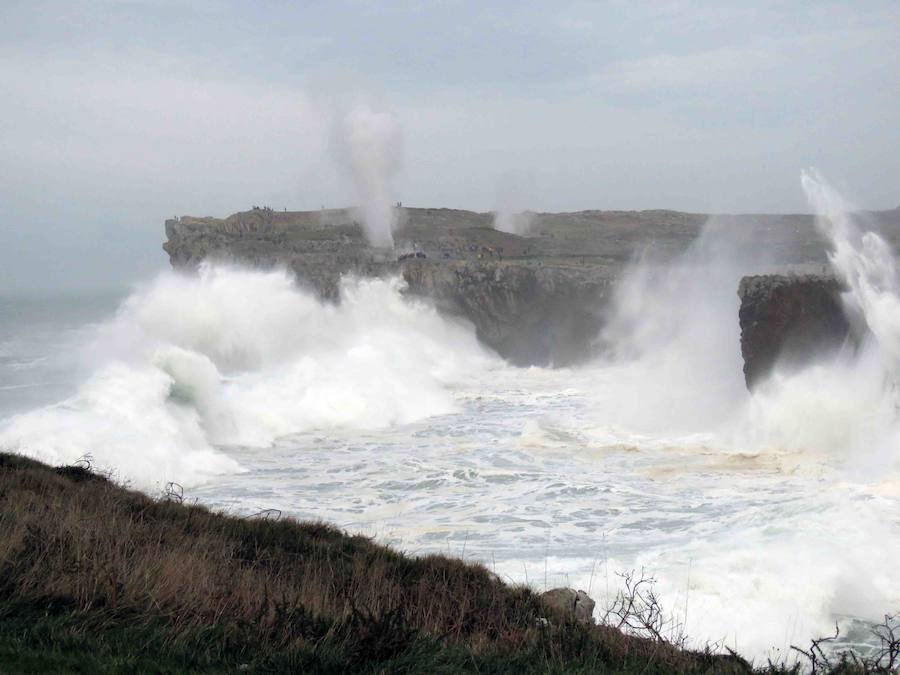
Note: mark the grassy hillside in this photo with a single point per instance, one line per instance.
(95, 578)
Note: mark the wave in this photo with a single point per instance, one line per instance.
(238, 357)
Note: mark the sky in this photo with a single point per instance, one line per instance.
(117, 114)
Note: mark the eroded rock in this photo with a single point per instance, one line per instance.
(571, 603)
(539, 299)
(790, 319)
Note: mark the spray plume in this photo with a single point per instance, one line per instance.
(514, 191)
(371, 144)
(865, 263)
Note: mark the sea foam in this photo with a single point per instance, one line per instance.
(239, 357)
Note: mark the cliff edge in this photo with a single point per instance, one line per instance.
(538, 298)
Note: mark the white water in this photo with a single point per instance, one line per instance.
(233, 357)
(764, 518)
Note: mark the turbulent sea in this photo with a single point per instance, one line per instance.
(764, 519)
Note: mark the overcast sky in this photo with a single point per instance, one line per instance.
(118, 114)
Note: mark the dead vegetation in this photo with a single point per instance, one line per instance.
(821, 659)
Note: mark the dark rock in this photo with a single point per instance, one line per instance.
(529, 314)
(789, 319)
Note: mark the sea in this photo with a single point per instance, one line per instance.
(760, 520)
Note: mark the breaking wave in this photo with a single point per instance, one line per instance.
(238, 357)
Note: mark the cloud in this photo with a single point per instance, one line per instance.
(96, 152)
(90, 115)
(716, 66)
(795, 62)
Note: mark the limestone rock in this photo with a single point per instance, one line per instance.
(569, 602)
(536, 300)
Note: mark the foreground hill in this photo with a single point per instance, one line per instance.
(95, 578)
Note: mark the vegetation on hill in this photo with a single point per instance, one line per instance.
(95, 578)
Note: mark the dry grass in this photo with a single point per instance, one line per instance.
(215, 591)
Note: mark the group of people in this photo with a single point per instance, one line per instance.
(414, 254)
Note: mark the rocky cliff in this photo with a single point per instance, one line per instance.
(536, 299)
(791, 320)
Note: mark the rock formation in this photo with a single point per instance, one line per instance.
(568, 602)
(535, 300)
(789, 319)
(539, 299)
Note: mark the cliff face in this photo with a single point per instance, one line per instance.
(529, 313)
(789, 319)
(537, 299)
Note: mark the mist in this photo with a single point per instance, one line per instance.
(515, 191)
(370, 147)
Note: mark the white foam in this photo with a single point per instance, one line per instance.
(237, 357)
(124, 418)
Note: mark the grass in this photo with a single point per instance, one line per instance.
(95, 578)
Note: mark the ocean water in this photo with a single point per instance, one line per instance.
(41, 336)
(764, 519)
